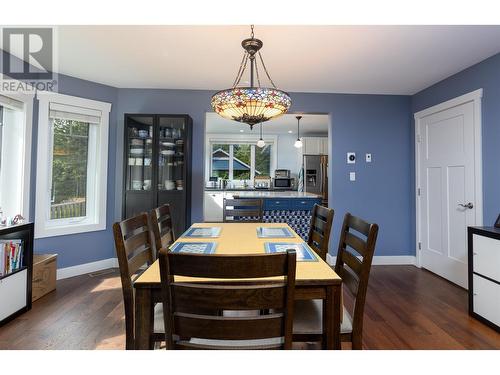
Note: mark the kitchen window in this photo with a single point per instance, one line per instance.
(15, 155)
(239, 160)
(72, 165)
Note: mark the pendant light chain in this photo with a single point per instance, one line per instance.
(257, 73)
(265, 70)
(242, 69)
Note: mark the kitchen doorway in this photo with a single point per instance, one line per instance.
(234, 161)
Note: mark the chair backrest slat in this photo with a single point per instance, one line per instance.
(162, 227)
(320, 229)
(225, 328)
(353, 262)
(252, 297)
(137, 261)
(359, 225)
(190, 309)
(228, 266)
(355, 270)
(242, 210)
(137, 240)
(133, 250)
(356, 243)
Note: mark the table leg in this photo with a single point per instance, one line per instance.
(143, 319)
(331, 318)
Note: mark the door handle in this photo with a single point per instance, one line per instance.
(469, 205)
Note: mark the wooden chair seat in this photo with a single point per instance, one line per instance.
(308, 318)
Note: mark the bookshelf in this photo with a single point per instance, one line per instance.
(16, 276)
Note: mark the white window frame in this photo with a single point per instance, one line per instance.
(96, 197)
(232, 139)
(27, 100)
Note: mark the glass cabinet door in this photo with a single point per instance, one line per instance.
(171, 159)
(140, 153)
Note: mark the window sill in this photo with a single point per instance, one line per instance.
(76, 228)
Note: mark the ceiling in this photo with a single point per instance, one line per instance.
(310, 124)
(342, 59)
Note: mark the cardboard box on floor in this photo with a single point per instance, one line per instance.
(44, 275)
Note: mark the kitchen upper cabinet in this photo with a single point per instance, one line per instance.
(315, 145)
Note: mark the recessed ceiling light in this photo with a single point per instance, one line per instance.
(241, 130)
(290, 131)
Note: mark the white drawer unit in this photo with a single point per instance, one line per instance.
(487, 299)
(16, 269)
(484, 275)
(13, 293)
(486, 256)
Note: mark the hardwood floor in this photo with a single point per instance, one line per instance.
(407, 308)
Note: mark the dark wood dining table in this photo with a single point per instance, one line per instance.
(314, 280)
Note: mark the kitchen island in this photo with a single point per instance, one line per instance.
(279, 206)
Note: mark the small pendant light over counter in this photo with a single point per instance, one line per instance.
(298, 142)
(260, 142)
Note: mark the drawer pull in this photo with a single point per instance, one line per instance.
(303, 202)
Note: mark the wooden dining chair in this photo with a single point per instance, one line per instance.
(187, 305)
(319, 230)
(162, 227)
(353, 264)
(242, 210)
(134, 251)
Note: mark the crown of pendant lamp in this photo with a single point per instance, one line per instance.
(298, 142)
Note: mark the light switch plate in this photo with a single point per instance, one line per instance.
(368, 158)
(352, 176)
(351, 157)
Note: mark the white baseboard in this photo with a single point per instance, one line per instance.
(64, 273)
(384, 260)
(81, 269)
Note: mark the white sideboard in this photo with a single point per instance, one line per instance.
(484, 275)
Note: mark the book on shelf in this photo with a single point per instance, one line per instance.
(11, 256)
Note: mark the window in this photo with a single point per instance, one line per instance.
(239, 160)
(15, 154)
(71, 165)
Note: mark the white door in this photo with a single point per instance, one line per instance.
(447, 184)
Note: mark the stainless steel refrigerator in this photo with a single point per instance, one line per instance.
(315, 175)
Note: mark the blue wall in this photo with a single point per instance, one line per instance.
(485, 75)
(379, 124)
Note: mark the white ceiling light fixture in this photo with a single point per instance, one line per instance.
(298, 142)
(260, 142)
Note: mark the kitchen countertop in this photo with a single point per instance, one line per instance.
(266, 193)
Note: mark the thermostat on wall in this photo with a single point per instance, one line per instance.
(351, 157)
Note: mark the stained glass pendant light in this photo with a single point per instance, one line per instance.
(253, 104)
